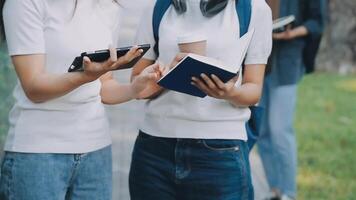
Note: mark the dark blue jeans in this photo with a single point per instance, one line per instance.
(189, 169)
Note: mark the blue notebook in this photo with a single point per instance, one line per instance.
(180, 77)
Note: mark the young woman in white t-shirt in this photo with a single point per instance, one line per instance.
(58, 145)
(191, 147)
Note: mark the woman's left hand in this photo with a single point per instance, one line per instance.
(214, 87)
(94, 70)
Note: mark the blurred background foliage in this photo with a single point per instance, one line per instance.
(7, 83)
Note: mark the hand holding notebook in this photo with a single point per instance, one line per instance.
(179, 78)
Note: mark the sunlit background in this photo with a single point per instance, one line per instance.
(325, 122)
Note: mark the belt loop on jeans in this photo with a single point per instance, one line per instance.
(77, 157)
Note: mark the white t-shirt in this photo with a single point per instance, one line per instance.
(179, 115)
(76, 122)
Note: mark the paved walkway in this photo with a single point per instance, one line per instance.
(124, 119)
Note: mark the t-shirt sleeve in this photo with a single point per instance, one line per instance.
(23, 22)
(144, 34)
(261, 43)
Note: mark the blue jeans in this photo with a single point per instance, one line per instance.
(189, 169)
(277, 143)
(57, 176)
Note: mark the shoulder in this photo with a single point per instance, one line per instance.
(260, 8)
(148, 7)
(25, 4)
(24, 7)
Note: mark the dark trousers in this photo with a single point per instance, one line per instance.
(189, 169)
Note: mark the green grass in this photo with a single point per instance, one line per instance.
(326, 129)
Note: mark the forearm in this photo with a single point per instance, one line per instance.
(246, 95)
(114, 93)
(300, 31)
(151, 91)
(250, 92)
(45, 87)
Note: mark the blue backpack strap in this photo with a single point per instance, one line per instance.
(160, 9)
(244, 10)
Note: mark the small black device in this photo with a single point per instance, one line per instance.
(209, 8)
(103, 55)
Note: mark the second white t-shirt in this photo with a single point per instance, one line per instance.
(179, 115)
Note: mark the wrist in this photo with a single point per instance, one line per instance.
(294, 33)
(85, 78)
(78, 78)
(132, 94)
(233, 95)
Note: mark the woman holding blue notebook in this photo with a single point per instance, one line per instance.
(190, 147)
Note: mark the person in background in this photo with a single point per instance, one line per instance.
(277, 143)
(58, 145)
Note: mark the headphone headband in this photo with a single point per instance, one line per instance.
(209, 8)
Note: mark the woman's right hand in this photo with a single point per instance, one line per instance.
(151, 74)
(94, 70)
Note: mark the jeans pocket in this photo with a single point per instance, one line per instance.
(221, 145)
(7, 164)
(6, 176)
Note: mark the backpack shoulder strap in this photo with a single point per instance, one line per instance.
(159, 10)
(244, 11)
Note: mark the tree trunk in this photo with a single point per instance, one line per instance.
(2, 35)
(338, 49)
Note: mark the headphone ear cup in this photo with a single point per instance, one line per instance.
(210, 8)
(180, 6)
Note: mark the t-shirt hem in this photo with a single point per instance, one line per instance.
(180, 128)
(256, 60)
(25, 52)
(58, 148)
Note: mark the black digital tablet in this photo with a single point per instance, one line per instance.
(103, 55)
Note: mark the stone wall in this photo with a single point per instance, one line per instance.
(1, 22)
(338, 50)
